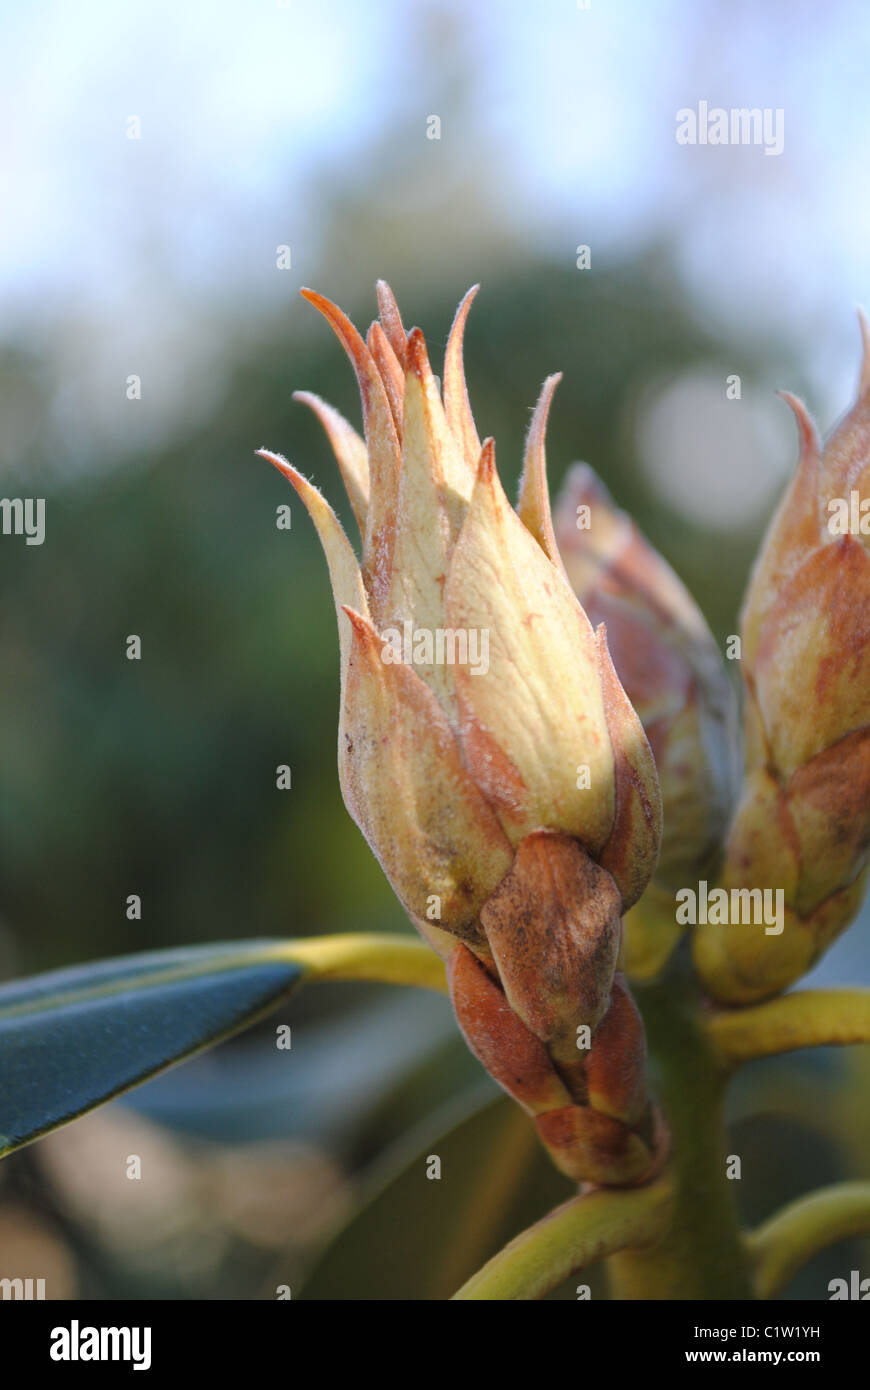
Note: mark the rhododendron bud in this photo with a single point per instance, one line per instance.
(487, 749)
(803, 824)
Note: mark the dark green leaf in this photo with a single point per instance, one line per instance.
(74, 1038)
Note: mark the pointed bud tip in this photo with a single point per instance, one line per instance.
(604, 656)
(361, 626)
(391, 318)
(486, 470)
(457, 330)
(335, 316)
(277, 460)
(292, 474)
(417, 358)
(376, 338)
(340, 322)
(805, 423)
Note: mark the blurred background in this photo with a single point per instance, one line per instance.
(171, 176)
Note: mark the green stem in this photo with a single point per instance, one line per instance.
(377, 956)
(807, 1018)
(575, 1234)
(701, 1255)
(782, 1245)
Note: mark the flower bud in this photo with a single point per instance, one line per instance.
(674, 676)
(614, 1138)
(669, 665)
(803, 823)
(487, 750)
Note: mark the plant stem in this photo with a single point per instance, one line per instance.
(807, 1018)
(701, 1255)
(385, 958)
(785, 1243)
(576, 1234)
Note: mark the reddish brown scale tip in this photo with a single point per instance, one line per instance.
(615, 1067)
(390, 369)
(392, 320)
(499, 1039)
(486, 469)
(286, 469)
(809, 437)
(361, 626)
(417, 357)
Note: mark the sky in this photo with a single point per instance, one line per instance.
(115, 251)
